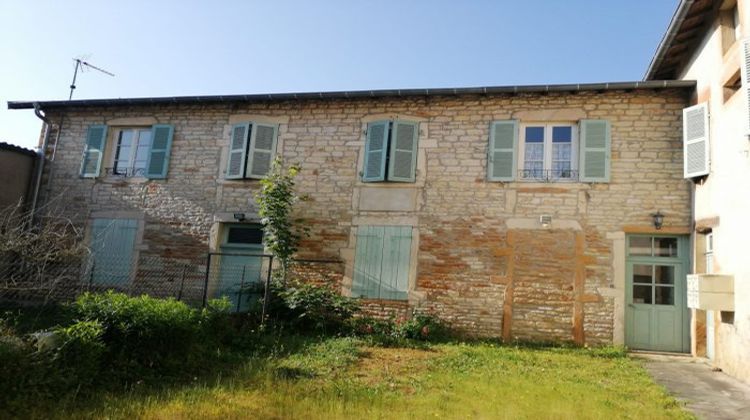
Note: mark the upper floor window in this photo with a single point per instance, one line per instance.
(131, 151)
(391, 151)
(251, 150)
(549, 152)
(729, 24)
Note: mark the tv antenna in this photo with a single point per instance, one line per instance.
(83, 65)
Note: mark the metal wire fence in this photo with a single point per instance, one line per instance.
(242, 278)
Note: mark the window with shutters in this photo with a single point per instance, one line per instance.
(381, 262)
(127, 151)
(391, 151)
(252, 147)
(548, 152)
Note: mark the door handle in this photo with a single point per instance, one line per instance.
(631, 305)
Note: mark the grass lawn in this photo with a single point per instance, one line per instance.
(345, 378)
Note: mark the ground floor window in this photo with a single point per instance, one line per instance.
(241, 265)
(381, 262)
(112, 245)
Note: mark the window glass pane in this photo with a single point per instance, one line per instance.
(642, 294)
(123, 150)
(561, 160)
(245, 235)
(664, 295)
(142, 150)
(640, 245)
(534, 134)
(533, 164)
(642, 273)
(664, 274)
(562, 134)
(665, 247)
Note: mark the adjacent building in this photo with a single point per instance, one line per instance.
(707, 42)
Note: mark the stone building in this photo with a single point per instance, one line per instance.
(707, 41)
(521, 212)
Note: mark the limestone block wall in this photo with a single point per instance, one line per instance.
(480, 257)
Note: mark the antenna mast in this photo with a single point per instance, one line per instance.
(80, 64)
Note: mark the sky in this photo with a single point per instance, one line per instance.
(187, 47)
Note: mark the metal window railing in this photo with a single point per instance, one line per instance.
(548, 175)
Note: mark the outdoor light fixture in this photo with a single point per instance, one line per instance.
(545, 220)
(240, 217)
(658, 219)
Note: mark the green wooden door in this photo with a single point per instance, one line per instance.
(656, 300)
(240, 266)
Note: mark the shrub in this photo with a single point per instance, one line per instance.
(145, 335)
(312, 308)
(79, 355)
(401, 331)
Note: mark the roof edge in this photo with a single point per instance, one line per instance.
(264, 97)
(666, 41)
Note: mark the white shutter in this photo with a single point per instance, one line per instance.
(695, 138)
(744, 71)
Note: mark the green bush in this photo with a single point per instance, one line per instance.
(401, 331)
(79, 355)
(147, 336)
(306, 307)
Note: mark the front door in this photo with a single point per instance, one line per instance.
(656, 299)
(240, 266)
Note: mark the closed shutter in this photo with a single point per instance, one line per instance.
(161, 145)
(745, 72)
(376, 147)
(96, 139)
(368, 262)
(112, 242)
(594, 165)
(695, 140)
(262, 149)
(403, 159)
(396, 258)
(237, 151)
(501, 155)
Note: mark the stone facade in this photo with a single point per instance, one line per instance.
(480, 259)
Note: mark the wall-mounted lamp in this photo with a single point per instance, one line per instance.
(658, 219)
(545, 220)
(240, 217)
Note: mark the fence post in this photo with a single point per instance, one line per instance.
(266, 292)
(205, 284)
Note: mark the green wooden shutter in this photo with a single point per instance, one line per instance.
(594, 152)
(368, 262)
(161, 146)
(96, 139)
(402, 165)
(262, 149)
(396, 258)
(376, 147)
(237, 151)
(501, 155)
(113, 241)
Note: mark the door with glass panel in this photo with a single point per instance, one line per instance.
(656, 301)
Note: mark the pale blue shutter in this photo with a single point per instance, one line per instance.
(402, 166)
(262, 149)
(112, 242)
(502, 160)
(376, 147)
(237, 151)
(161, 145)
(594, 151)
(396, 259)
(96, 139)
(695, 140)
(368, 261)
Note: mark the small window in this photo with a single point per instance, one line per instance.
(252, 147)
(729, 22)
(131, 152)
(653, 246)
(549, 152)
(244, 235)
(391, 151)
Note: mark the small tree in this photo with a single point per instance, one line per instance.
(276, 200)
